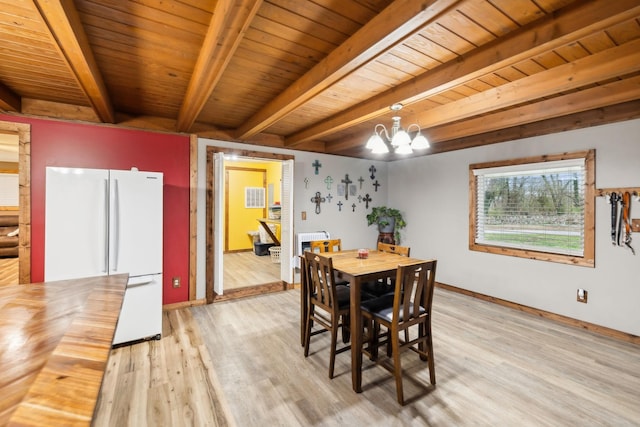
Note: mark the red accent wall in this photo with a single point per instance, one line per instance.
(66, 144)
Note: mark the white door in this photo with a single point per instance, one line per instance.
(218, 223)
(76, 209)
(135, 227)
(286, 223)
(286, 233)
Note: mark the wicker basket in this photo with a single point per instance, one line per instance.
(275, 253)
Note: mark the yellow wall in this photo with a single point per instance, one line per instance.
(241, 219)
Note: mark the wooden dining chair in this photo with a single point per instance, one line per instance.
(407, 309)
(385, 285)
(394, 249)
(331, 245)
(328, 305)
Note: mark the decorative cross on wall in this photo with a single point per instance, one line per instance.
(376, 184)
(329, 197)
(361, 180)
(346, 182)
(306, 183)
(340, 206)
(316, 165)
(372, 169)
(366, 199)
(328, 180)
(317, 200)
(353, 206)
(359, 199)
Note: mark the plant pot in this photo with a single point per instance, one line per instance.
(391, 225)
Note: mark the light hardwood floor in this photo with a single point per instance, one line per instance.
(170, 382)
(8, 271)
(242, 269)
(494, 365)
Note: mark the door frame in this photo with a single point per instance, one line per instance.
(226, 198)
(23, 130)
(209, 201)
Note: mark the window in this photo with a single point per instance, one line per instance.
(537, 208)
(254, 197)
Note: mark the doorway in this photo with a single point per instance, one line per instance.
(238, 263)
(250, 191)
(17, 136)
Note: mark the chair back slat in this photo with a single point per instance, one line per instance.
(414, 291)
(330, 245)
(394, 249)
(321, 283)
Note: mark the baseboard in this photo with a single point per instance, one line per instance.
(178, 305)
(591, 327)
(250, 291)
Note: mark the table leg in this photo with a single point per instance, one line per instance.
(356, 336)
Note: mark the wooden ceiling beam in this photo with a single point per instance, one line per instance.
(601, 96)
(596, 117)
(399, 20)
(9, 100)
(64, 24)
(615, 92)
(566, 26)
(608, 64)
(228, 25)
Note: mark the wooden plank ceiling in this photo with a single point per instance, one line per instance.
(318, 75)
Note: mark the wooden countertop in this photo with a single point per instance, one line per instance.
(55, 340)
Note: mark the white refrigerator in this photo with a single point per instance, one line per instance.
(103, 222)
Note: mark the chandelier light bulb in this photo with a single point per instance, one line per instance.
(400, 138)
(420, 142)
(372, 141)
(404, 149)
(379, 147)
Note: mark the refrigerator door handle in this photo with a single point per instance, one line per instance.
(106, 227)
(116, 225)
(140, 280)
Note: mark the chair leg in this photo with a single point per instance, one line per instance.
(307, 335)
(346, 329)
(332, 357)
(397, 368)
(422, 345)
(375, 340)
(432, 363)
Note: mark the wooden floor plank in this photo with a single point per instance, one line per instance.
(244, 269)
(9, 271)
(163, 383)
(494, 366)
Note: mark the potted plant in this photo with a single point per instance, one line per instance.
(389, 220)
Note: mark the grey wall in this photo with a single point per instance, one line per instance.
(433, 191)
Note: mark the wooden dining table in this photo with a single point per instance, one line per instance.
(357, 271)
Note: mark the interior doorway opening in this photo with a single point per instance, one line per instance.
(246, 192)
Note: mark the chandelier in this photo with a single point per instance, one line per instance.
(398, 140)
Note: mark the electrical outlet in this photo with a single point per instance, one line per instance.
(176, 282)
(581, 295)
